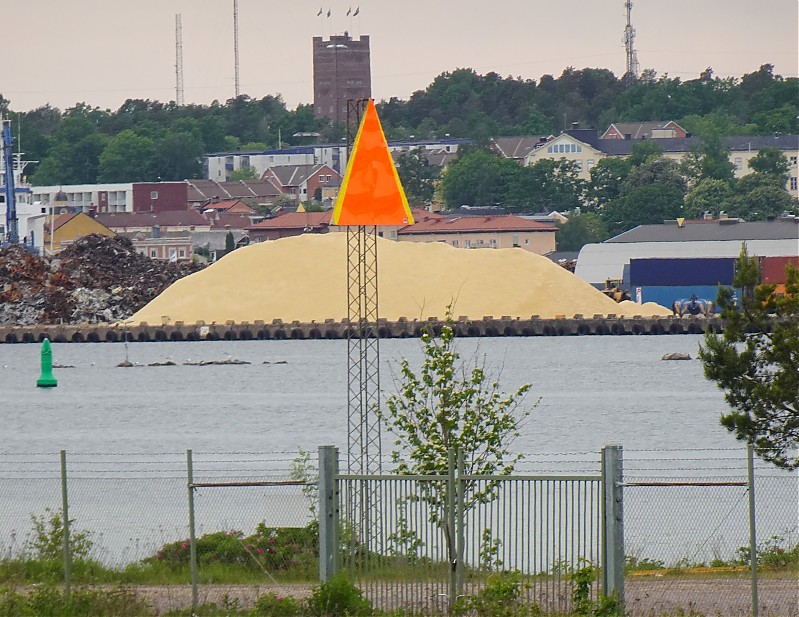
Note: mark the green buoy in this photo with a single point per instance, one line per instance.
(47, 380)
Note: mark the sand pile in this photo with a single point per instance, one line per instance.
(304, 278)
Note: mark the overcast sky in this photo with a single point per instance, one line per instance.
(104, 51)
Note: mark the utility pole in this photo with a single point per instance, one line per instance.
(179, 95)
(236, 47)
(631, 74)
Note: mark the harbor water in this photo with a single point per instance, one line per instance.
(126, 431)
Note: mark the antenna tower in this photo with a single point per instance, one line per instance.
(236, 46)
(631, 75)
(179, 95)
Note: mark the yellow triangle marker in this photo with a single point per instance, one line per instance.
(300, 208)
(371, 192)
(680, 222)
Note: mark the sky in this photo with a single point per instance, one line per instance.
(102, 52)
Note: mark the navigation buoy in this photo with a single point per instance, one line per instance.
(47, 379)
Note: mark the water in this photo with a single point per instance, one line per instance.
(592, 390)
(126, 431)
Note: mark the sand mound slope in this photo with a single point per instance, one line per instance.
(304, 278)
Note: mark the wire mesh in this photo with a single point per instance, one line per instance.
(687, 534)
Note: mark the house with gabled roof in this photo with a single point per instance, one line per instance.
(655, 129)
(302, 181)
(66, 228)
(290, 224)
(518, 147)
(472, 232)
(203, 192)
(579, 146)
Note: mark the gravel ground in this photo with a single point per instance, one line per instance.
(712, 597)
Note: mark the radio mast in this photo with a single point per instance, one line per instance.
(179, 95)
(236, 46)
(631, 75)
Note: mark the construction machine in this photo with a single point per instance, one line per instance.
(613, 289)
(695, 306)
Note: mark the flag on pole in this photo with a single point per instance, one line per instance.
(358, 10)
(328, 12)
(319, 14)
(349, 11)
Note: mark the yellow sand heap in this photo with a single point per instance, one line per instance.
(304, 278)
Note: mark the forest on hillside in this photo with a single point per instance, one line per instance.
(148, 140)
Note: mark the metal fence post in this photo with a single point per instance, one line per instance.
(750, 468)
(613, 523)
(461, 525)
(328, 512)
(192, 534)
(65, 515)
(451, 522)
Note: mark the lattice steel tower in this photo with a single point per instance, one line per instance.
(631, 75)
(179, 97)
(363, 342)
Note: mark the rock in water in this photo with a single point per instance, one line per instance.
(675, 355)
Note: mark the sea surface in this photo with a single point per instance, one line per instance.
(126, 432)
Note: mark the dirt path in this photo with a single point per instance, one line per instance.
(716, 597)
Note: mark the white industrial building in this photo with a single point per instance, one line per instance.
(719, 238)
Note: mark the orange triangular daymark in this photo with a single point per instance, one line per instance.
(371, 192)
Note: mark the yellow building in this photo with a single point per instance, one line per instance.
(70, 227)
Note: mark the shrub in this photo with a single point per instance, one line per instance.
(501, 597)
(271, 605)
(338, 597)
(47, 538)
(272, 549)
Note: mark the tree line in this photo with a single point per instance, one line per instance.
(148, 140)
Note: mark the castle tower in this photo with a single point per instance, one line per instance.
(341, 71)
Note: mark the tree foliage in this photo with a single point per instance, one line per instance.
(756, 362)
(418, 177)
(451, 406)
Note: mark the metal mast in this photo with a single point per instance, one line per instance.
(236, 46)
(631, 75)
(179, 98)
(363, 343)
(12, 223)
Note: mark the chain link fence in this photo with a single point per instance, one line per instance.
(686, 527)
(687, 534)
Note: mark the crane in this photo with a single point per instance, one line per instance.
(12, 223)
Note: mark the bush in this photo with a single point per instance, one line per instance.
(338, 597)
(271, 605)
(775, 553)
(501, 597)
(272, 549)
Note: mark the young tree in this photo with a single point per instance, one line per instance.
(230, 243)
(452, 406)
(756, 362)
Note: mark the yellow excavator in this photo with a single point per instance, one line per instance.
(613, 289)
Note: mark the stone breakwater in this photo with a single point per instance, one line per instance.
(577, 325)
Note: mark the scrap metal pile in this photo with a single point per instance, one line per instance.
(96, 279)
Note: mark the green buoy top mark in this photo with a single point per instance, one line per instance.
(47, 380)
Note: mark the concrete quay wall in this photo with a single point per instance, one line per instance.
(578, 325)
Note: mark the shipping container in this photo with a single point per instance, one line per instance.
(667, 295)
(772, 269)
(673, 272)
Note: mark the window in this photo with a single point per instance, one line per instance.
(454, 243)
(590, 164)
(549, 149)
(182, 253)
(153, 194)
(153, 253)
(527, 240)
(579, 165)
(792, 161)
(738, 163)
(793, 183)
(579, 148)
